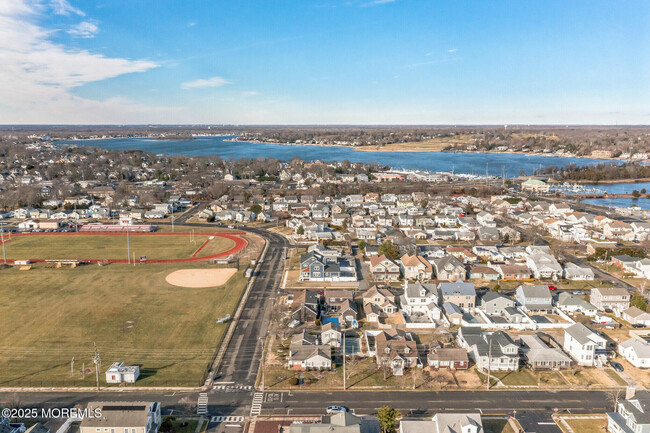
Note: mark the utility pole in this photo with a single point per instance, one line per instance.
(264, 360)
(414, 373)
(2, 235)
(172, 218)
(72, 367)
(343, 352)
(489, 363)
(83, 371)
(97, 360)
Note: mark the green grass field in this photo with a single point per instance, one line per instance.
(48, 316)
(98, 246)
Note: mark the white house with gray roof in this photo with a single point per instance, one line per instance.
(636, 352)
(536, 298)
(420, 298)
(578, 273)
(539, 356)
(570, 303)
(632, 415)
(583, 344)
(444, 423)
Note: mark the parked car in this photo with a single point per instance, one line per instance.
(336, 409)
(616, 366)
(609, 311)
(638, 325)
(552, 288)
(579, 292)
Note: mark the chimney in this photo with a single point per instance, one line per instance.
(630, 391)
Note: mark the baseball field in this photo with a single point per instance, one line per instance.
(52, 316)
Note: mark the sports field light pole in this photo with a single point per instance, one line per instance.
(2, 235)
(128, 248)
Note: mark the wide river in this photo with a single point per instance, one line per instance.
(467, 163)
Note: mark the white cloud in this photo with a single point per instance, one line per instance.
(249, 93)
(191, 24)
(377, 2)
(38, 76)
(203, 83)
(453, 50)
(84, 29)
(63, 7)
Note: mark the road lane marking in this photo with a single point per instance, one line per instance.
(202, 404)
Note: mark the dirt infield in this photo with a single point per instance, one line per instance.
(199, 278)
(240, 244)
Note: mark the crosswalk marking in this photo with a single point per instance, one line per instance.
(202, 404)
(232, 388)
(222, 418)
(256, 407)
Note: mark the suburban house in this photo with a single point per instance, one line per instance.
(449, 268)
(583, 344)
(636, 352)
(332, 296)
(324, 264)
(570, 303)
(578, 273)
(122, 416)
(494, 303)
(342, 313)
(415, 267)
(459, 293)
(120, 373)
(614, 298)
(539, 356)
(453, 313)
(513, 272)
(331, 334)
(534, 298)
(449, 358)
(636, 316)
(483, 272)
(420, 298)
(543, 265)
(393, 349)
(632, 414)
(341, 422)
(444, 423)
(305, 353)
(495, 351)
(306, 306)
(384, 269)
(378, 301)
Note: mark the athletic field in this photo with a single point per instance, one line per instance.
(116, 247)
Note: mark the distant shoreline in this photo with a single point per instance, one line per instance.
(430, 150)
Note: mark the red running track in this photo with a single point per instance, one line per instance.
(240, 244)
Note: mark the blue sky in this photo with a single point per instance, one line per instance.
(325, 62)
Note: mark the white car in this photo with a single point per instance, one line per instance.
(336, 409)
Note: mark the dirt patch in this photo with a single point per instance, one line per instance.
(197, 278)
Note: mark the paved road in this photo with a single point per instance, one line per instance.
(189, 213)
(599, 273)
(242, 357)
(534, 408)
(425, 403)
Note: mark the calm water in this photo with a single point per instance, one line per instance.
(467, 163)
(622, 187)
(643, 203)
